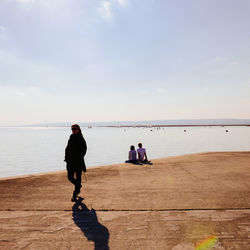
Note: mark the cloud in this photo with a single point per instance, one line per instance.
(218, 59)
(160, 90)
(123, 2)
(19, 91)
(2, 28)
(27, 73)
(25, 1)
(105, 10)
(27, 4)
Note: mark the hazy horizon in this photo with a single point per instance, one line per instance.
(228, 121)
(116, 60)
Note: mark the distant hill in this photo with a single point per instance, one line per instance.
(188, 122)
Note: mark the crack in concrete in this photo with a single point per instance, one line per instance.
(127, 210)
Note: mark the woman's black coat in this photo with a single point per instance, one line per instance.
(75, 151)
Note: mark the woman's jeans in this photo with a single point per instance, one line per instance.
(77, 171)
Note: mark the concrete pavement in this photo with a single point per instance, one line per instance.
(185, 202)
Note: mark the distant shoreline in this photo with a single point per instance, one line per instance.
(133, 126)
(185, 125)
(141, 123)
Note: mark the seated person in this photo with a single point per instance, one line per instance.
(142, 153)
(132, 154)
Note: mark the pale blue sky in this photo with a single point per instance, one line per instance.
(107, 60)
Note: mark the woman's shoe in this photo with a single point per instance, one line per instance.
(74, 196)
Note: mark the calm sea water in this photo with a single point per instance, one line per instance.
(36, 150)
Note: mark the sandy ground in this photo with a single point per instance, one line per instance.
(183, 202)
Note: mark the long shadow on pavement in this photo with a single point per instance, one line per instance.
(88, 222)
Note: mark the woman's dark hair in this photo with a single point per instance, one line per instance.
(78, 127)
(132, 147)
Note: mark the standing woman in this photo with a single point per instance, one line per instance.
(74, 157)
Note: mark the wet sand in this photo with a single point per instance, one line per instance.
(176, 203)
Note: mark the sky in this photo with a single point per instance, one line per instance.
(117, 60)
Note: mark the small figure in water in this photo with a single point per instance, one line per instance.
(74, 157)
(142, 153)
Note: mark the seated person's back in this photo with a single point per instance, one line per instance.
(141, 153)
(132, 154)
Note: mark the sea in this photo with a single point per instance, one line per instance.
(31, 150)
